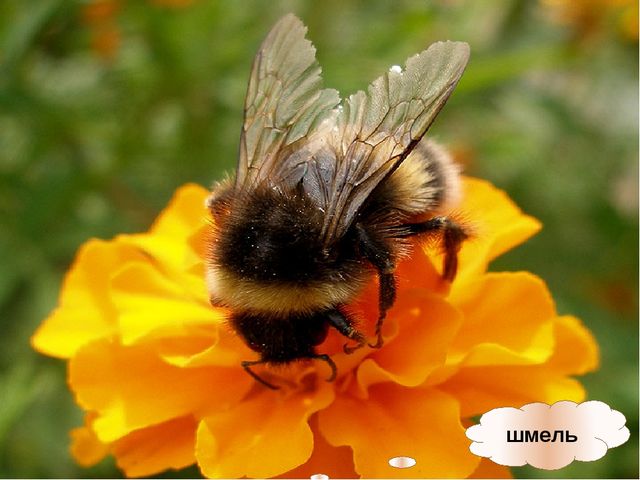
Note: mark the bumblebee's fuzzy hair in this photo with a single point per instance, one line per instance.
(242, 278)
(266, 255)
(231, 290)
(426, 183)
(326, 195)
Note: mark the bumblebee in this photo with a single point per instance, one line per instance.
(326, 195)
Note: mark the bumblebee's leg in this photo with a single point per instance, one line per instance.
(341, 323)
(380, 257)
(453, 235)
(247, 364)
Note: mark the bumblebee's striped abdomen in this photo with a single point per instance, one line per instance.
(425, 183)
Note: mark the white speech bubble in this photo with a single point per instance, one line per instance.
(548, 437)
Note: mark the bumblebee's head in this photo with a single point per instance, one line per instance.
(268, 246)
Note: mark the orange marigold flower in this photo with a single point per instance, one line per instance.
(99, 11)
(589, 18)
(158, 372)
(101, 17)
(173, 3)
(105, 40)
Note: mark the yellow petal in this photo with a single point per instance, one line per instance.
(154, 449)
(168, 240)
(84, 312)
(418, 271)
(577, 352)
(508, 320)
(131, 388)
(209, 348)
(335, 462)
(263, 436)
(494, 354)
(497, 225)
(184, 213)
(423, 424)
(151, 304)
(86, 448)
(488, 469)
(426, 326)
(200, 245)
(481, 389)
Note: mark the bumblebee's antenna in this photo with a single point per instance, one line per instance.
(246, 364)
(326, 358)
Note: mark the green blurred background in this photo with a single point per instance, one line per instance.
(107, 106)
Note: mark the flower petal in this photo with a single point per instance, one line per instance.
(184, 213)
(480, 389)
(86, 448)
(423, 424)
(426, 326)
(577, 352)
(263, 436)
(169, 237)
(418, 271)
(157, 448)
(335, 462)
(508, 320)
(149, 304)
(488, 469)
(85, 312)
(219, 348)
(131, 388)
(498, 225)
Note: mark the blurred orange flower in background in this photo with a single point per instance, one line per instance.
(158, 372)
(590, 18)
(101, 18)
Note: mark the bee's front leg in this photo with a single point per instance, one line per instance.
(377, 252)
(344, 325)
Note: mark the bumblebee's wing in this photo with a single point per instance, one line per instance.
(374, 132)
(284, 103)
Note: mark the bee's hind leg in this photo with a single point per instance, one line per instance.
(453, 234)
(379, 255)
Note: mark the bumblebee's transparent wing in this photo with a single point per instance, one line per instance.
(284, 103)
(376, 131)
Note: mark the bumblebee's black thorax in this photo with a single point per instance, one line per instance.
(274, 236)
